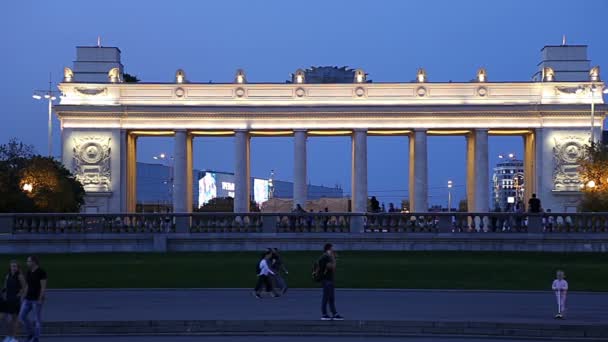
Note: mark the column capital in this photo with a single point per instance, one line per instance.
(300, 130)
(422, 130)
(364, 130)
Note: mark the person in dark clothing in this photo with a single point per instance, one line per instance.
(14, 284)
(534, 205)
(35, 289)
(327, 269)
(277, 266)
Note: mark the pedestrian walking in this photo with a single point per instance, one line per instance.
(264, 275)
(326, 271)
(278, 267)
(35, 290)
(14, 285)
(560, 286)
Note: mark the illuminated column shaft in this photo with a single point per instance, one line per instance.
(418, 177)
(241, 173)
(299, 177)
(180, 173)
(359, 171)
(478, 179)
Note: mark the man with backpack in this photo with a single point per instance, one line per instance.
(324, 271)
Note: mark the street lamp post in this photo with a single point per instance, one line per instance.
(49, 95)
(592, 89)
(449, 196)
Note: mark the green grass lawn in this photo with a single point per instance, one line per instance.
(428, 270)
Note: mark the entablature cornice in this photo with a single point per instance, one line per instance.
(283, 94)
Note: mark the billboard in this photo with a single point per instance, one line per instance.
(207, 188)
(260, 190)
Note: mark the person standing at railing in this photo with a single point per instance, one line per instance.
(14, 285)
(534, 205)
(560, 286)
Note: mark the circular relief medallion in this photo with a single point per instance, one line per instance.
(180, 92)
(571, 152)
(240, 92)
(91, 153)
(300, 92)
(421, 92)
(482, 91)
(360, 91)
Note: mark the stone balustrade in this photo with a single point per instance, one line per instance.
(200, 223)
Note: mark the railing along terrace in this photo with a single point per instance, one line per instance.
(324, 222)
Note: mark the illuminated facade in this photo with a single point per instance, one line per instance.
(102, 117)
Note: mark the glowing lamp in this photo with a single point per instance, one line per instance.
(591, 184)
(68, 75)
(548, 74)
(359, 76)
(482, 75)
(114, 75)
(240, 76)
(421, 75)
(594, 74)
(299, 76)
(180, 76)
(28, 187)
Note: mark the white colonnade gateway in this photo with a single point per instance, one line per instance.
(102, 116)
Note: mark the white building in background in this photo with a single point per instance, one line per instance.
(508, 183)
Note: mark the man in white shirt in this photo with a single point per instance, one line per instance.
(264, 276)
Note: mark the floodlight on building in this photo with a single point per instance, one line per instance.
(37, 97)
(359, 76)
(180, 76)
(240, 77)
(421, 75)
(482, 75)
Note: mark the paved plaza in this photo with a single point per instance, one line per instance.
(304, 304)
(268, 339)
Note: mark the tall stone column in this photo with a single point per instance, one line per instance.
(359, 171)
(130, 181)
(242, 179)
(299, 172)
(418, 177)
(529, 165)
(180, 173)
(478, 179)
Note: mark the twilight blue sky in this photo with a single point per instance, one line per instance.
(270, 39)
